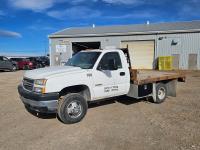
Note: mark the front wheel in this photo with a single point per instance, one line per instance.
(161, 93)
(72, 108)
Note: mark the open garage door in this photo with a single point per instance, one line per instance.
(141, 53)
(79, 46)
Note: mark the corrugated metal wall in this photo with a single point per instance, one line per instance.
(165, 45)
(188, 43)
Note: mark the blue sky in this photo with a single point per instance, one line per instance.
(25, 24)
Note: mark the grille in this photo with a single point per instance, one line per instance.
(28, 84)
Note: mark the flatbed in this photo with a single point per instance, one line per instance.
(140, 77)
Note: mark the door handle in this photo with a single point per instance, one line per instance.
(122, 73)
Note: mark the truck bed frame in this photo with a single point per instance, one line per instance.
(140, 77)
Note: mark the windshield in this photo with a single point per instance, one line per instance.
(84, 60)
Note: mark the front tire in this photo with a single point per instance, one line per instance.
(72, 108)
(161, 93)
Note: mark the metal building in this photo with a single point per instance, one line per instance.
(145, 41)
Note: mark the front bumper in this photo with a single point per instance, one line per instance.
(45, 103)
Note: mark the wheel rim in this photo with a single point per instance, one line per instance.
(74, 109)
(161, 93)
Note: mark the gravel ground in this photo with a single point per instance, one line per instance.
(120, 123)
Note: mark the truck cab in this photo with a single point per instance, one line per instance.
(89, 75)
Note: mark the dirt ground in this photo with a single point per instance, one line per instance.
(120, 123)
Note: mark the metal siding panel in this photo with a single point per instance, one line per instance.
(176, 59)
(189, 44)
(192, 62)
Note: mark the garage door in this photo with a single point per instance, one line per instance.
(141, 53)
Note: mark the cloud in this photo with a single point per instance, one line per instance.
(189, 9)
(77, 1)
(77, 12)
(39, 28)
(34, 5)
(11, 34)
(42, 5)
(144, 15)
(127, 2)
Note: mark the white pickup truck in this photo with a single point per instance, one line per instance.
(89, 76)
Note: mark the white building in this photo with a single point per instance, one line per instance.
(145, 41)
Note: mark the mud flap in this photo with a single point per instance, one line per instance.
(171, 88)
(154, 92)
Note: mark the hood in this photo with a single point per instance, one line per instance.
(49, 71)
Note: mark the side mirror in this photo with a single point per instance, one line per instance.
(112, 65)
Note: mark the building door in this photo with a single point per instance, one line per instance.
(192, 62)
(141, 53)
(176, 58)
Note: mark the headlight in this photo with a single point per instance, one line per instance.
(40, 82)
(39, 89)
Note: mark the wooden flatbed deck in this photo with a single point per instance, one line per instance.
(151, 76)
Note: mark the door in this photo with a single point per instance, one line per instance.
(176, 58)
(104, 76)
(121, 76)
(141, 53)
(192, 61)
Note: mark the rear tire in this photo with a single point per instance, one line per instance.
(72, 108)
(161, 93)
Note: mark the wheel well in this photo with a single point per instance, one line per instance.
(81, 89)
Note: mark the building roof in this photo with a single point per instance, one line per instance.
(154, 28)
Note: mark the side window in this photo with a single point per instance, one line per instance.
(1, 58)
(104, 63)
